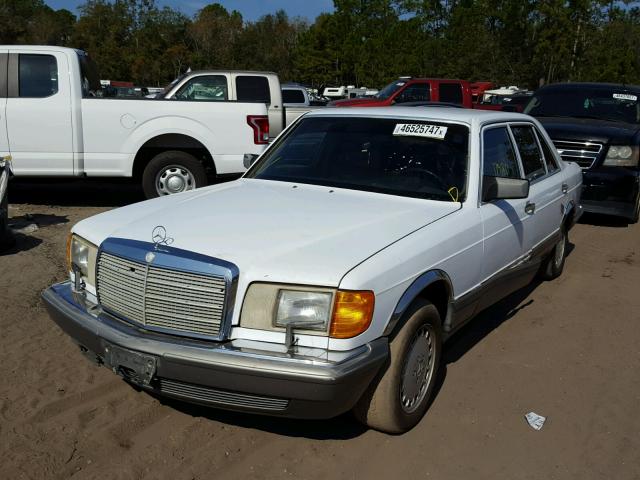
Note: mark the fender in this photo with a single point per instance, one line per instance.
(419, 284)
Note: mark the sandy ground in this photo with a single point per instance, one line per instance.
(567, 349)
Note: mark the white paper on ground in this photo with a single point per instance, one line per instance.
(536, 421)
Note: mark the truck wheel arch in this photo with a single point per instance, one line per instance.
(171, 141)
(434, 286)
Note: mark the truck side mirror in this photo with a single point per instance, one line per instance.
(497, 188)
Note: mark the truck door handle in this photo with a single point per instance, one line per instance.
(530, 208)
(565, 188)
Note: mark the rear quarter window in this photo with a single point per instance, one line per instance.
(253, 89)
(451, 92)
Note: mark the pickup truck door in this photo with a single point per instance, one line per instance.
(504, 221)
(4, 141)
(544, 205)
(38, 112)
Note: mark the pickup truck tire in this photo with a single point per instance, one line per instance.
(553, 265)
(400, 395)
(172, 171)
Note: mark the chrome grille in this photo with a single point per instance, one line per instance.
(583, 153)
(163, 299)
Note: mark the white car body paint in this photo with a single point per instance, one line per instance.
(312, 235)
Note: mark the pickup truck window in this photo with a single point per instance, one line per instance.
(417, 92)
(615, 104)
(499, 157)
(38, 75)
(450, 92)
(292, 96)
(210, 88)
(253, 89)
(365, 154)
(530, 155)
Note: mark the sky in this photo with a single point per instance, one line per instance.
(250, 9)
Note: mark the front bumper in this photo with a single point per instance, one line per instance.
(611, 191)
(234, 375)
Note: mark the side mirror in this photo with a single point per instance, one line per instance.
(496, 188)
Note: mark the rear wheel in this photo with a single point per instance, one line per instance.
(554, 263)
(396, 401)
(172, 172)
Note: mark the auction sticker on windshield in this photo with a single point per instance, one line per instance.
(625, 96)
(420, 130)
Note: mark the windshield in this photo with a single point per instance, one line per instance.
(390, 89)
(411, 158)
(613, 104)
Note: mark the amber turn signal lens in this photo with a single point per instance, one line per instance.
(352, 313)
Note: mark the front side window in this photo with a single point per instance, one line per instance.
(412, 158)
(208, 88)
(37, 76)
(253, 89)
(532, 161)
(390, 90)
(499, 157)
(416, 92)
(451, 92)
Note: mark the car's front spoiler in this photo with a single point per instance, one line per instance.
(229, 375)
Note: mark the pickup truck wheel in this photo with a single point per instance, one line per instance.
(172, 172)
(553, 265)
(396, 401)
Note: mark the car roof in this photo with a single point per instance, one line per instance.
(589, 86)
(443, 114)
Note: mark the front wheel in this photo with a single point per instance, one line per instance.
(172, 172)
(396, 401)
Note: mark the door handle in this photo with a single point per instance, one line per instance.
(530, 208)
(565, 188)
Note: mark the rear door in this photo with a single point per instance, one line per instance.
(546, 191)
(4, 140)
(38, 112)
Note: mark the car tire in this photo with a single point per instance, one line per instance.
(172, 172)
(401, 393)
(553, 265)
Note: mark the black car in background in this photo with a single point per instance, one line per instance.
(597, 126)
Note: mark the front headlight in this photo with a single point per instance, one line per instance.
(81, 257)
(308, 310)
(314, 310)
(621, 156)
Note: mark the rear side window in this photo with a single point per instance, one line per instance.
(549, 158)
(292, 96)
(451, 92)
(208, 88)
(416, 92)
(530, 154)
(499, 157)
(253, 89)
(37, 76)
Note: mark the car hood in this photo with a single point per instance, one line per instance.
(274, 231)
(588, 129)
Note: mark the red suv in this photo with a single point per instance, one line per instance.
(407, 89)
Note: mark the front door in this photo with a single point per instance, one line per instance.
(38, 113)
(504, 221)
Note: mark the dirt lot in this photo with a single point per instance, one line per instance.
(568, 349)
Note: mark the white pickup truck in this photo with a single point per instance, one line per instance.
(357, 243)
(53, 123)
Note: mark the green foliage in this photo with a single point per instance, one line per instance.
(363, 42)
